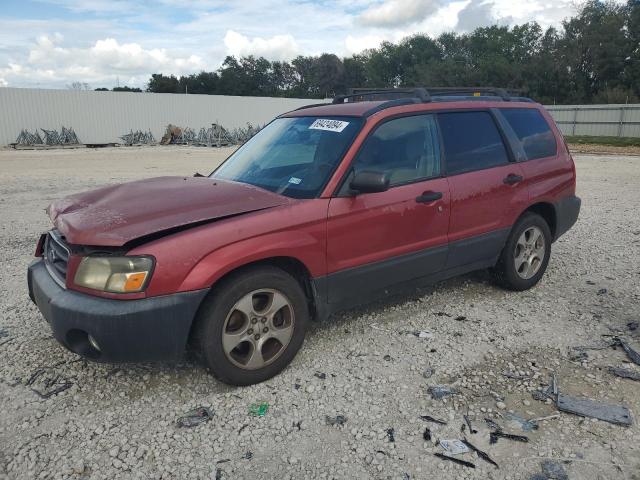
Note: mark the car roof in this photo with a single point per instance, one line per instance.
(368, 108)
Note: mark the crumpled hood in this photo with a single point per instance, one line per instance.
(115, 215)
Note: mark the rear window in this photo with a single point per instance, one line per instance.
(471, 142)
(533, 131)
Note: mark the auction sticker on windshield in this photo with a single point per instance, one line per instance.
(329, 125)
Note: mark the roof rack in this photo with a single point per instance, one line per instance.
(428, 94)
(366, 94)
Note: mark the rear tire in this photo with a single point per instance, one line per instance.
(252, 325)
(525, 256)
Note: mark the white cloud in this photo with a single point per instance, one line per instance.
(3, 82)
(397, 13)
(278, 47)
(477, 13)
(358, 44)
(104, 61)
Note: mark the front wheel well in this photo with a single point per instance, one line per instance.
(548, 212)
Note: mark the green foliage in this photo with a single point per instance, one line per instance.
(614, 141)
(595, 57)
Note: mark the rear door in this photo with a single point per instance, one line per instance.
(375, 240)
(488, 188)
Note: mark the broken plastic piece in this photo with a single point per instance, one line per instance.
(195, 417)
(491, 424)
(258, 409)
(455, 460)
(631, 353)
(625, 373)
(468, 422)
(391, 435)
(454, 447)
(427, 434)
(429, 418)
(526, 425)
(554, 470)
(438, 392)
(586, 407)
(481, 454)
(337, 420)
(493, 437)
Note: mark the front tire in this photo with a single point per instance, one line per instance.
(252, 325)
(525, 256)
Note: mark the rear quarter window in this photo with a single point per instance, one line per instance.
(471, 142)
(538, 141)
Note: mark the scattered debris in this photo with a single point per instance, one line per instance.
(248, 455)
(387, 358)
(625, 373)
(455, 460)
(438, 392)
(216, 135)
(27, 138)
(468, 422)
(454, 447)
(337, 420)
(429, 418)
(258, 409)
(585, 407)
(526, 425)
(460, 318)
(631, 353)
(493, 437)
(55, 391)
(602, 291)
(391, 435)
(491, 424)
(66, 137)
(427, 434)
(320, 375)
(481, 454)
(195, 417)
(554, 470)
(633, 326)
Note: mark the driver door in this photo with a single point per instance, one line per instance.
(376, 240)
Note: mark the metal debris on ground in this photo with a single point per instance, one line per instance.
(493, 437)
(553, 470)
(454, 447)
(481, 454)
(625, 373)
(59, 389)
(633, 325)
(455, 460)
(337, 420)
(438, 392)
(631, 353)
(138, 138)
(320, 375)
(586, 407)
(214, 136)
(429, 418)
(67, 136)
(491, 424)
(258, 409)
(195, 417)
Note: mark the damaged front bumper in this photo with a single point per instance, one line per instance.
(155, 328)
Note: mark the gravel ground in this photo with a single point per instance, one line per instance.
(365, 365)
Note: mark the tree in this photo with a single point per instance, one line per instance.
(78, 86)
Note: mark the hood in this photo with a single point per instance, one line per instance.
(115, 215)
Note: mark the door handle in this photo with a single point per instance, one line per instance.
(512, 179)
(428, 197)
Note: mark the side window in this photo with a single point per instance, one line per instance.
(407, 148)
(533, 131)
(471, 142)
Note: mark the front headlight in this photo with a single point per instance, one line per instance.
(114, 274)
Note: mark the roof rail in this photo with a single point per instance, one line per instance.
(397, 93)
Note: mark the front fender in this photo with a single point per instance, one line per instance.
(305, 247)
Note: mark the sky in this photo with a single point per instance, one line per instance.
(53, 43)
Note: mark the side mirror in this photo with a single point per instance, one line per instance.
(370, 182)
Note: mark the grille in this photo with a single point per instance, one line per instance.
(56, 256)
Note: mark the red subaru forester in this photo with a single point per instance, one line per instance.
(327, 207)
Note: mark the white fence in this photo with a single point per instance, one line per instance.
(599, 120)
(102, 117)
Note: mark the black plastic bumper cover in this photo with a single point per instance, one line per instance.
(148, 329)
(567, 211)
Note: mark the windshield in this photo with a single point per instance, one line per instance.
(292, 156)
